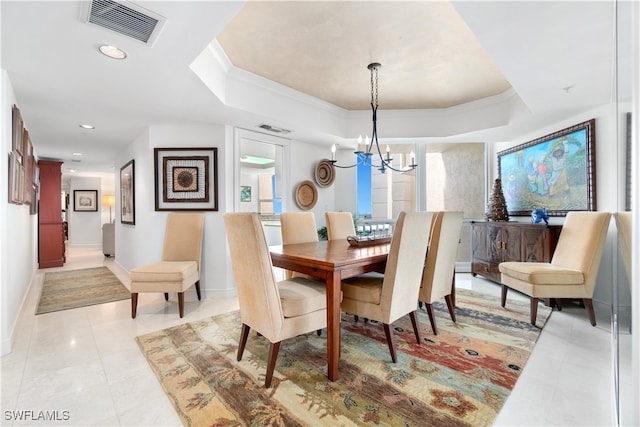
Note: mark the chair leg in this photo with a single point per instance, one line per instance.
(588, 303)
(534, 310)
(271, 363)
(166, 296)
(558, 303)
(134, 304)
(432, 318)
(181, 303)
(453, 289)
(392, 345)
(244, 334)
(450, 306)
(198, 290)
(503, 297)
(416, 329)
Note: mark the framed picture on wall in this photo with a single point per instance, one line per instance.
(186, 179)
(16, 179)
(245, 193)
(85, 200)
(17, 132)
(127, 194)
(556, 172)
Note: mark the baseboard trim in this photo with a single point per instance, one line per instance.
(7, 342)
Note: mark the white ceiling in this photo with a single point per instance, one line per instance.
(433, 55)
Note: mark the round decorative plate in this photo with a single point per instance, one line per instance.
(325, 173)
(306, 195)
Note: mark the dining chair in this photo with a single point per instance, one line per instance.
(339, 225)
(179, 267)
(276, 310)
(573, 269)
(297, 227)
(388, 297)
(438, 278)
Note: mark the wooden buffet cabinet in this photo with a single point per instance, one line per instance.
(495, 242)
(51, 249)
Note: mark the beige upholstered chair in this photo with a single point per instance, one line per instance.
(438, 277)
(276, 310)
(623, 224)
(573, 269)
(339, 225)
(179, 268)
(297, 227)
(395, 294)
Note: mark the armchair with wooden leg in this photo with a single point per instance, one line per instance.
(179, 268)
(439, 270)
(276, 310)
(573, 269)
(386, 298)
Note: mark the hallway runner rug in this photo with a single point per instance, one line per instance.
(460, 377)
(80, 288)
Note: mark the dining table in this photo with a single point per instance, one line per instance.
(332, 261)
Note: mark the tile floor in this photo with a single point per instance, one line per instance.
(85, 364)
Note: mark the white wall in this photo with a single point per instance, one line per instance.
(85, 227)
(346, 179)
(19, 231)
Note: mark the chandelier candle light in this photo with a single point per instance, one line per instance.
(366, 157)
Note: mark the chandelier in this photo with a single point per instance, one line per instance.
(369, 157)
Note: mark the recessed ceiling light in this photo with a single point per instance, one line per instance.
(112, 52)
(77, 154)
(87, 126)
(72, 170)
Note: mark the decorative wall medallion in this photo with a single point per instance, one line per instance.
(325, 173)
(306, 195)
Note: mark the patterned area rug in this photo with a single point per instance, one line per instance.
(460, 377)
(79, 288)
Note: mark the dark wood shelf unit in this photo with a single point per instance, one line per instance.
(51, 247)
(493, 242)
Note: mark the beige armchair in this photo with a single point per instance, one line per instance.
(277, 311)
(623, 224)
(438, 278)
(179, 268)
(339, 225)
(573, 269)
(395, 294)
(297, 227)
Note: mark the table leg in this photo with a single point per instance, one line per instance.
(333, 324)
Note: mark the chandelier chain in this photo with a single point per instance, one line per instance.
(374, 85)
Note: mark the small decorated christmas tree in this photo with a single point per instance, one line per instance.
(497, 205)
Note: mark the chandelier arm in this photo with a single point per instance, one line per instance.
(333, 163)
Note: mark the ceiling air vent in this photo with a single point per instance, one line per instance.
(125, 18)
(273, 128)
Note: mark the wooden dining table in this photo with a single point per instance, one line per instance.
(331, 261)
